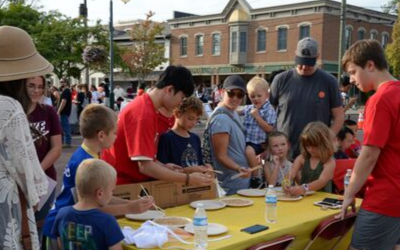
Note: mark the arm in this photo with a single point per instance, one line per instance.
(352, 101)
(338, 119)
(363, 168)
(220, 144)
(62, 105)
(117, 246)
(119, 207)
(54, 152)
(271, 172)
(155, 170)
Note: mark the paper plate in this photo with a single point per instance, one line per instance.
(252, 192)
(149, 215)
(209, 204)
(173, 221)
(285, 197)
(237, 202)
(212, 229)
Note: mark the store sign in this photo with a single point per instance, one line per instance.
(196, 71)
(237, 70)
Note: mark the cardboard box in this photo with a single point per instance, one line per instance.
(167, 194)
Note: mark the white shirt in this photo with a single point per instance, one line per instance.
(119, 92)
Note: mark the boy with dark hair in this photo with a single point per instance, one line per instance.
(95, 182)
(179, 146)
(134, 152)
(354, 150)
(98, 127)
(378, 221)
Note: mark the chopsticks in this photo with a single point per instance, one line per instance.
(215, 171)
(241, 174)
(147, 194)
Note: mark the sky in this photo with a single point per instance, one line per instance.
(136, 9)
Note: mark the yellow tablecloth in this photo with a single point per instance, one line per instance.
(298, 218)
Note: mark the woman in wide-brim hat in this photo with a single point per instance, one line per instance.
(22, 180)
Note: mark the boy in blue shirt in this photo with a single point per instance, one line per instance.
(84, 225)
(98, 126)
(179, 146)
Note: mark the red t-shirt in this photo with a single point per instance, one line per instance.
(137, 139)
(165, 123)
(382, 129)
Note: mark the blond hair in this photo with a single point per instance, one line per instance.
(95, 118)
(190, 104)
(257, 83)
(93, 174)
(317, 134)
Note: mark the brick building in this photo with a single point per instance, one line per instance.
(246, 41)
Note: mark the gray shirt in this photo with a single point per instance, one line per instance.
(222, 123)
(300, 100)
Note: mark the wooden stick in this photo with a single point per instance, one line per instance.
(241, 174)
(155, 206)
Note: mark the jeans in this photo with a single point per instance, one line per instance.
(66, 139)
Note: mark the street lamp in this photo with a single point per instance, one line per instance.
(111, 26)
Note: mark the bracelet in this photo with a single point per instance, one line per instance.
(187, 179)
(305, 186)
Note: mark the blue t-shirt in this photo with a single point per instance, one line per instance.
(66, 198)
(182, 151)
(89, 229)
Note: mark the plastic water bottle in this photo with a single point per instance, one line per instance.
(347, 177)
(271, 205)
(200, 223)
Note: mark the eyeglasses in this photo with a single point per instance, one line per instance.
(33, 88)
(239, 94)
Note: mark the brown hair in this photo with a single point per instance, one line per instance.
(191, 104)
(95, 118)
(363, 51)
(317, 134)
(93, 174)
(17, 90)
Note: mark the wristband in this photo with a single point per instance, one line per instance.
(305, 186)
(187, 179)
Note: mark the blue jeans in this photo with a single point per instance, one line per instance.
(66, 139)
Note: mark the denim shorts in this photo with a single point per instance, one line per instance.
(257, 147)
(374, 231)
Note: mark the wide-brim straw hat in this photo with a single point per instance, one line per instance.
(19, 58)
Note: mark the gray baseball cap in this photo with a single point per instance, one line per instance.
(307, 52)
(234, 82)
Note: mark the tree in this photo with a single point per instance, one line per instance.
(393, 49)
(144, 54)
(390, 7)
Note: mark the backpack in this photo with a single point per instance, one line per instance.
(207, 151)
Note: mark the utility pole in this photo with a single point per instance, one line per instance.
(83, 12)
(342, 37)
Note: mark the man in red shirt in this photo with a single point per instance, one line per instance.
(134, 152)
(378, 221)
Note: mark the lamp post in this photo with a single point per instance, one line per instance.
(111, 26)
(83, 12)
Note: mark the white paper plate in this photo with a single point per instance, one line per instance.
(149, 215)
(285, 197)
(173, 221)
(209, 204)
(212, 229)
(252, 192)
(237, 202)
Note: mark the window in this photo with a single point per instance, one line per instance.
(243, 41)
(385, 40)
(347, 37)
(183, 45)
(374, 34)
(199, 45)
(361, 34)
(304, 31)
(282, 38)
(261, 40)
(234, 42)
(216, 44)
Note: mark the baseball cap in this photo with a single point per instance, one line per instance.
(306, 52)
(234, 82)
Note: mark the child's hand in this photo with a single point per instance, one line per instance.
(141, 205)
(194, 169)
(297, 190)
(199, 179)
(173, 167)
(254, 112)
(275, 159)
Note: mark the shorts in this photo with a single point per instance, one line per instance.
(374, 231)
(257, 147)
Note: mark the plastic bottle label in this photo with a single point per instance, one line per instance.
(200, 221)
(271, 199)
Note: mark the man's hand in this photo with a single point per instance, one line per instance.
(173, 167)
(198, 179)
(141, 205)
(246, 172)
(195, 169)
(346, 203)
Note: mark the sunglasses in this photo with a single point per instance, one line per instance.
(239, 94)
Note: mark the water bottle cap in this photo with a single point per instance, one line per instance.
(199, 205)
(270, 186)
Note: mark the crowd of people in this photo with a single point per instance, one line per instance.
(294, 128)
